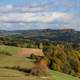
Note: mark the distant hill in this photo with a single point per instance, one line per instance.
(69, 35)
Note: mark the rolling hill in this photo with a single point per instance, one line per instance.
(9, 73)
(66, 35)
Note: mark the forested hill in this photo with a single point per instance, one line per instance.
(69, 35)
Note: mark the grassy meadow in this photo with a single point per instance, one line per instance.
(8, 50)
(8, 65)
(61, 76)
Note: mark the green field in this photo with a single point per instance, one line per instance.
(10, 73)
(9, 49)
(61, 76)
(24, 63)
(14, 61)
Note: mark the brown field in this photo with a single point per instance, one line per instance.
(28, 51)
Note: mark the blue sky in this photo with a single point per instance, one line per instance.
(13, 1)
(22, 1)
(39, 14)
(62, 5)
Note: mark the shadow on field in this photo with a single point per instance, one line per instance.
(35, 71)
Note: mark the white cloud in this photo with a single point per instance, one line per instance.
(21, 16)
(9, 6)
(33, 17)
(12, 8)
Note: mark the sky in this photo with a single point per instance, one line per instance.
(39, 14)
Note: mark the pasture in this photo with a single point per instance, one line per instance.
(8, 65)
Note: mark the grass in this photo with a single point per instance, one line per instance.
(14, 61)
(22, 62)
(22, 78)
(9, 49)
(61, 76)
(10, 73)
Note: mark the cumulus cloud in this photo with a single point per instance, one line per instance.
(36, 17)
(18, 9)
(33, 17)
